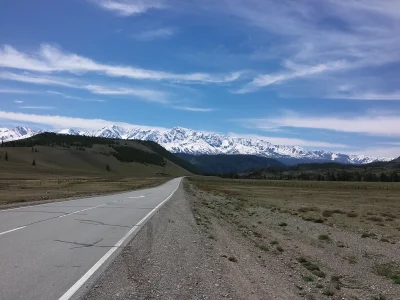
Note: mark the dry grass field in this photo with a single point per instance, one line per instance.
(20, 191)
(61, 173)
(318, 240)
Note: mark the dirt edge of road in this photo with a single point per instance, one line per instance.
(187, 251)
(169, 258)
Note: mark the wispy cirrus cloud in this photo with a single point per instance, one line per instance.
(126, 8)
(18, 101)
(193, 109)
(16, 91)
(145, 94)
(37, 107)
(368, 96)
(74, 97)
(372, 123)
(292, 71)
(62, 122)
(326, 37)
(51, 59)
(150, 95)
(155, 34)
(31, 78)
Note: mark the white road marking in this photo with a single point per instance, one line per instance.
(136, 197)
(15, 229)
(76, 212)
(71, 292)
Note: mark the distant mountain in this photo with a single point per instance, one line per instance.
(182, 140)
(16, 133)
(226, 164)
(70, 132)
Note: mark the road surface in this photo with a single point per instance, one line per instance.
(55, 250)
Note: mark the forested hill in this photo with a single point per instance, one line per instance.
(50, 152)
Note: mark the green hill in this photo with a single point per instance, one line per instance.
(56, 154)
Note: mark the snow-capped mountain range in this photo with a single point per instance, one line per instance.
(182, 140)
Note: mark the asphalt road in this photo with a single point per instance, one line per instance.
(55, 250)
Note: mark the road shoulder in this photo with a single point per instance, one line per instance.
(169, 258)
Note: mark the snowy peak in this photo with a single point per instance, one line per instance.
(16, 133)
(183, 140)
(69, 132)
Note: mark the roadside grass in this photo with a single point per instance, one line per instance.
(256, 210)
(18, 191)
(352, 215)
(388, 270)
(324, 237)
(329, 213)
(308, 278)
(360, 207)
(313, 268)
(328, 292)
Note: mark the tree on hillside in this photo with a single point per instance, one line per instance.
(6, 156)
(108, 168)
(394, 177)
(34, 163)
(384, 177)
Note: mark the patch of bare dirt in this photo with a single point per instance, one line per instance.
(280, 255)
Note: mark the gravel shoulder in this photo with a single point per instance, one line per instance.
(169, 258)
(204, 245)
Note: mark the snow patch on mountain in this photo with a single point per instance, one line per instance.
(183, 140)
(69, 132)
(16, 133)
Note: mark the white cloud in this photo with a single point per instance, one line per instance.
(37, 107)
(30, 78)
(374, 123)
(391, 143)
(155, 34)
(379, 152)
(368, 96)
(18, 101)
(291, 141)
(292, 71)
(16, 91)
(150, 95)
(11, 58)
(315, 33)
(193, 109)
(125, 8)
(74, 97)
(52, 59)
(147, 95)
(66, 122)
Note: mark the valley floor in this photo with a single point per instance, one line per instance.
(220, 239)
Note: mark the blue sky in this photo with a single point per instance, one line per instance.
(318, 74)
